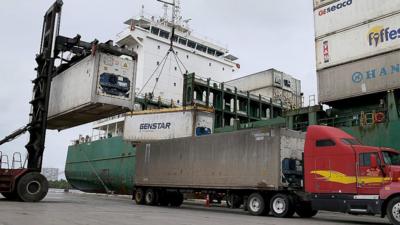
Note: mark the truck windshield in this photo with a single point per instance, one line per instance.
(391, 158)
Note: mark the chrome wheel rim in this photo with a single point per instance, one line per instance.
(255, 204)
(279, 205)
(149, 197)
(396, 212)
(33, 187)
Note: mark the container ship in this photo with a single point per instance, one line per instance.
(358, 71)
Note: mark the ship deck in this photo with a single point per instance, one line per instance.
(78, 208)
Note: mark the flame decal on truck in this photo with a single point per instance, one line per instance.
(337, 177)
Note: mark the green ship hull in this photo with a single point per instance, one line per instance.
(103, 166)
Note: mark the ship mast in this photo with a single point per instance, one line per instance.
(176, 18)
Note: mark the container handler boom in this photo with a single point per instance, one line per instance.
(27, 184)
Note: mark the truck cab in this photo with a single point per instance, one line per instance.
(343, 175)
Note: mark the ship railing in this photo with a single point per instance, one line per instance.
(94, 137)
(276, 101)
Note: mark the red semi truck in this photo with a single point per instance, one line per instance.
(275, 171)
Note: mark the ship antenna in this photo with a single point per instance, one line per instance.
(142, 12)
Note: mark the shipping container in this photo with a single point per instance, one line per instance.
(96, 87)
(272, 84)
(249, 159)
(364, 41)
(321, 3)
(168, 124)
(266, 79)
(376, 74)
(336, 16)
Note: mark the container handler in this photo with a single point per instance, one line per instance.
(27, 184)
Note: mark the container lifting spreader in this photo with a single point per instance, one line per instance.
(27, 184)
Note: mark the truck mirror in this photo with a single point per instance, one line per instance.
(374, 161)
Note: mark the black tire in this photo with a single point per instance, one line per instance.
(139, 196)
(151, 197)
(176, 199)
(163, 198)
(305, 210)
(11, 196)
(32, 187)
(282, 206)
(256, 205)
(234, 201)
(393, 211)
(228, 200)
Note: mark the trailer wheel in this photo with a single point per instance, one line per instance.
(256, 205)
(305, 210)
(282, 206)
(393, 211)
(176, 199)
(163, 198)
(32, 187)
(233, 201)
(150, 197)
(139, 196)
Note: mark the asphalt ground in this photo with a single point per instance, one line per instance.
(61, 208)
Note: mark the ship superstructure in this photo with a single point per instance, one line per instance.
(150, 37)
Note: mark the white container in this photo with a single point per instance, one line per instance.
(265, 79)
(371, 75)
(321, 3)
(168, 124)
(344, 14)
(364, 41)
(96, 87)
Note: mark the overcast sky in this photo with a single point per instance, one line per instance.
(262, 33)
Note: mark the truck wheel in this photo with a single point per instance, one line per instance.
(256, 205)
(305, 210)
(150, 197)
(282, 206)
(139, 196)
(32, 187)
(393, 211)
(228, 199)
(163, 198)
(12, 196)
(176, 199)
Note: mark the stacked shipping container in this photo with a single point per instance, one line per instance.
(357, 44)
(273, 84)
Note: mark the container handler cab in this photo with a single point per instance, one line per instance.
(27, 184)
(261, 170)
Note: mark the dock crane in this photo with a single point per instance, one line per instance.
(27, 184)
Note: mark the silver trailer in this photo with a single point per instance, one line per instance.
(238, 164)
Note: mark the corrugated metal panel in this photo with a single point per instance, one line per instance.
(167, 125)
(248, 159)
(321, 3)
(266, 79)
(367, 76)
(253, 81)
(95, 88)
(338, 15)
(363, 41)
